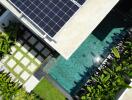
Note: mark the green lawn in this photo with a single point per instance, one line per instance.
(47, 91)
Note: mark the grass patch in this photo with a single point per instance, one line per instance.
(47, 91)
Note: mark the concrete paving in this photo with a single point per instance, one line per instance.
(11, 63)
(127, 94)
(31, 83)
(18, 69)
(25, 75)
(18, 55)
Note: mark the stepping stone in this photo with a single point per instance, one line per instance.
(45, 52)
(18, 55)
(34, 53)
(18, 69)
(25, 61)
(39, 46)
(37, 61)
(18, 44)
(11, 63)
(25, 75)
(24, 49)
(31, 83)
(6, 70)
(40, 58)
(32, 67)
(32, 40)
(1, 64)
(26, 46)
(30, 55)
(26, 35)
(5, 59)
(13, 49)
(21, 41)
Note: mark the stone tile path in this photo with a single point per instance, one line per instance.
(26, 57)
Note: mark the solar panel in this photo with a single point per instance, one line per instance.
(81, 2)
(48, 15)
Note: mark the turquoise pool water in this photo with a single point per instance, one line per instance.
(67, 72)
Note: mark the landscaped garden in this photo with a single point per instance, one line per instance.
(15, 57)
(21, 53)
(47, 91)
(8, 39)
(113, 75)
(11, 89)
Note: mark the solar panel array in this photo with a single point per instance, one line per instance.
(81, 2)
(48, 15)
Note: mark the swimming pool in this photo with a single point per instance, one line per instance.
(68, 72)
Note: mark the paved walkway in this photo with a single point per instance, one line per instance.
(127, 94)
(31, 83)
(26, 57)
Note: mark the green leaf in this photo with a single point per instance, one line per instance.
(106, 78)
(118, 68)
(100, 87)
(115, 52)
(83, 98)
(89, 89)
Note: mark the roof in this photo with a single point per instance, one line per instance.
(77, 29)
(48, 15)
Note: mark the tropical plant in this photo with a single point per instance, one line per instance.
(5, 43)
(115, 52)
(8, 37)
(111, 78)
(7, 87)
(109, 81)
(23, 95)
(10, 90)
(13, 30)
